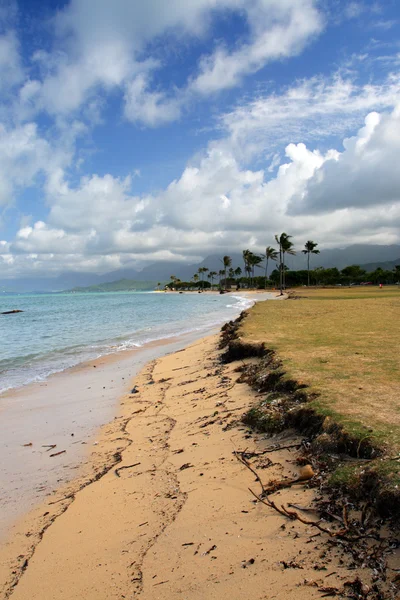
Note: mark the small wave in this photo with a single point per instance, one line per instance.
(34, 367)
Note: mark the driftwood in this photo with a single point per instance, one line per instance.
(246, 454)
(49, 447)
(125, 467)
(246, 464)
(294, 516)
(57, 453)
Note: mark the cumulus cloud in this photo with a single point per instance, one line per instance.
(217, 205)
(309, 110)
(364, 174)
(269, 171)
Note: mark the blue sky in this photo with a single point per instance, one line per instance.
(132, 132)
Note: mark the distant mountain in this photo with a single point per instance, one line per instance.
(387, 266)
(357, 254)
(122, 285)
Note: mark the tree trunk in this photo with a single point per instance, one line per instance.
(280, 270)
(266, 273)
(308, 270)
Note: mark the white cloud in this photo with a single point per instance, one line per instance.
(365, 174)
(145, 106)
(217, 205)
(24, 154)
(11, 72)
(102, 46)
(278, 30)
(310, 110)
(222, 201)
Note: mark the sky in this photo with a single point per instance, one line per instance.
(133, 132)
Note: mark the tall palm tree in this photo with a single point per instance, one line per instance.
(227, 261)
(238, 272)
(195, 278)
(220, 275)
(211, 276)
(158, 286)
(247, 268)
(202, 270)
(270, 254)
(309, 248)
(285, 247)
(254, 261)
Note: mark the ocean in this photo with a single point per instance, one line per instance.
(57, 331)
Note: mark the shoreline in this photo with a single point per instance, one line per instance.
(165, 511)
(115, 350)
(63, 414)
(32, 420)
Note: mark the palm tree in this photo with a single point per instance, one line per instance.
(247, 268)
(285, 247)
(158, 286)
(270, 254)
(310, 248)
(238, 272)
(202, 270)
(211, 276)
(227, 261)
(220, 275)
(195, 278)
(254, 261)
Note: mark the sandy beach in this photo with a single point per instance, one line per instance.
(62, 415)
(162, 509)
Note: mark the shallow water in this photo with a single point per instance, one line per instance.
(57, 331)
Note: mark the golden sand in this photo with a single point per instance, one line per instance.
(162, 510)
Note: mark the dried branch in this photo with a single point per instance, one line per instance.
(269, 503)
(246, 464)
(293, 515)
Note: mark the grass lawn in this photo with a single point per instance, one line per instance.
(345, 344)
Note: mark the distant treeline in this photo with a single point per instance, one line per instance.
(281, 276)
(353, 274)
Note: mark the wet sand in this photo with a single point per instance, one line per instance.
(63, 414)
(66, 412)
(163, 509)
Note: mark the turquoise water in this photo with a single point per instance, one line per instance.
(58, 331)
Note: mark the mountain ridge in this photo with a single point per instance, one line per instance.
(361, 254)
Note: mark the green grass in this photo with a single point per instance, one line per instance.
(349, 293)
(343, 343)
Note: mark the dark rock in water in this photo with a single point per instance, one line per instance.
(11, 312)
(222, 291)
(134, 390)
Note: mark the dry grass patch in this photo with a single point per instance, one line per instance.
(345, 344)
